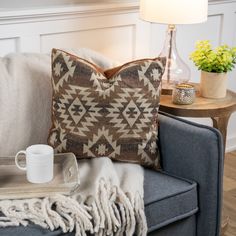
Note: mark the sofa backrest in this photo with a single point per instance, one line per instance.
(26, 96)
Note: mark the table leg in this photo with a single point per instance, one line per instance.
(221, 124)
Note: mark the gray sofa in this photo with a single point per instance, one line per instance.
(190, 197)
(185, 198)
(182, 200)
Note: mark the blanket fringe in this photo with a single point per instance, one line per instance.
(109, 212)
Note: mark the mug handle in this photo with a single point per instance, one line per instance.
(16, 160)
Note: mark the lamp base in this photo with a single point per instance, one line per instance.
(166, 88)
(176, 71)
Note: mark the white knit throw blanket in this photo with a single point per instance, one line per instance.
(109, 201)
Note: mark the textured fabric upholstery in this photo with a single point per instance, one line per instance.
(168, 199)
(184, 227)
(195, 152)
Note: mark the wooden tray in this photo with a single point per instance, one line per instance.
(14, 185)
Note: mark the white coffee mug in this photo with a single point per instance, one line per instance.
(39, 163)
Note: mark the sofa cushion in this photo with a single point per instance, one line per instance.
(106, 113)
(167, 199)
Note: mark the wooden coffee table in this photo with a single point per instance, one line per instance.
(219, 110)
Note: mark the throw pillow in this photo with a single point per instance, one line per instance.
(110, 113)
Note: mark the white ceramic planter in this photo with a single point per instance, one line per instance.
(213, 85)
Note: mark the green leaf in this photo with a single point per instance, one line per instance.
(220, 59)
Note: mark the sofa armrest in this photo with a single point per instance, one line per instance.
(195, 152)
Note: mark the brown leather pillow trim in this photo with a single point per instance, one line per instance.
(113, 71)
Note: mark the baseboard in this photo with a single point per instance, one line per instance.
(231, 144)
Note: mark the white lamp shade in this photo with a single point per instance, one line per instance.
(174, 11)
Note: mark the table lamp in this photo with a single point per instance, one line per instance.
(173, 12)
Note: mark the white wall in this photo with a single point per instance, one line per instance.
(113, 28)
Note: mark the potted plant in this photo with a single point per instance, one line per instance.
(214, 65)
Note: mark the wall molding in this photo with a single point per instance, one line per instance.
(221, 1)
(66, 12)
(58, 12)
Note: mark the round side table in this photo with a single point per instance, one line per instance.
(219, 110)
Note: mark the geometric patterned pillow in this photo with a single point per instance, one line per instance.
(110, 113)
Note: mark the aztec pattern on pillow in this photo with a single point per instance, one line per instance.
(106, 113)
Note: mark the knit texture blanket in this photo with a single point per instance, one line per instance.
(109, 201)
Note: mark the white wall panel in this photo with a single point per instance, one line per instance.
(116, 42)
(189, 34)
(8, 45)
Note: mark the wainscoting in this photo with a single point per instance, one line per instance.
(112, 28)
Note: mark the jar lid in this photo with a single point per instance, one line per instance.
(185, 86)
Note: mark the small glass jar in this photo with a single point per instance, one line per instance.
(183, 94)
